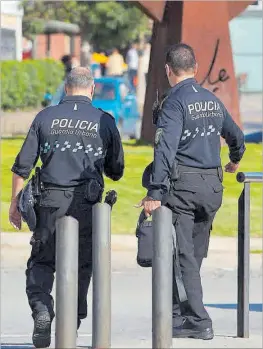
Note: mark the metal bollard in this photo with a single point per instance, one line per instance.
(243, 262)
(244, 251)
(162, 270)
(101, 264)
(67, 247)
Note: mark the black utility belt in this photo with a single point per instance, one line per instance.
(177, 170)
(91, 189)
(48, 186)
(207, 171)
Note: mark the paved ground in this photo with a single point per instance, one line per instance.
(14, 123)
(131, 297)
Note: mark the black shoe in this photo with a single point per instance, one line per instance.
(187, 330)
(42, 330)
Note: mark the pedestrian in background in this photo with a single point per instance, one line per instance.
(146, 60)
(115, 64)
(67, 62)
(132, 60)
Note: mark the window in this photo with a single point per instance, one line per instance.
(124, 91)
(8, 44)
(256, 5)
(104, 91)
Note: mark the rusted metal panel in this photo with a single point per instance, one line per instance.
(204, 26)
(236, 7)
(212, 45)
(154, 9)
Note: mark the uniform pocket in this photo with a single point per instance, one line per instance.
(184, 186)
(214, 183)
(218, 188)
(53, 198)
(208, 241)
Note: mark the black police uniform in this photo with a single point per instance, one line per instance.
(187, 177)
(76, 143)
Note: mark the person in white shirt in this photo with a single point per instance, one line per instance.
(115, 64)
(132, 60)
(146, 60)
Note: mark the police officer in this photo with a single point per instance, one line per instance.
(187, 177)
(76, 143)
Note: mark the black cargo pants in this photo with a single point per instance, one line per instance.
(194, 198)
(41, 264)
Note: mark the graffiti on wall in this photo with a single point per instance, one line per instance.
(222, 74)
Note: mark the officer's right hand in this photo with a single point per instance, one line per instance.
(15, 216)
(231, 167)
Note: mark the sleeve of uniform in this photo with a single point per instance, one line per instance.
(29, 153)
(114, 160)
(167, 137)
(234, 138)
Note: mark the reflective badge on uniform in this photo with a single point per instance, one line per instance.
(158, 134)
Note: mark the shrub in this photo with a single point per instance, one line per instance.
(23, 84)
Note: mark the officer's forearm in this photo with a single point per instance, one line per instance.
(236, 153)
(17, 185)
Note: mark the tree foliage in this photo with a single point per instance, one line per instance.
(104, 23)
(25, 83)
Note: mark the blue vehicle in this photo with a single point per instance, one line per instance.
(114, 95)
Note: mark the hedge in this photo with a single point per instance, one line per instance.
(23, 84)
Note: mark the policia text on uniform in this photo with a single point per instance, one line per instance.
(78, 143)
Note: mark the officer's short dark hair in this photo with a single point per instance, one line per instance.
(79, 77)
(180, 58)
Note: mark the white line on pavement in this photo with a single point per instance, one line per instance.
(23, 335)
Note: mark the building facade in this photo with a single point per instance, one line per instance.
(11, 30)
(246, 40)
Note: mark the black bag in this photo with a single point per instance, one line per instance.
(144, 234)
(26, 205)
(145, 241)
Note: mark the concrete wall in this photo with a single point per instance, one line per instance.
(59, 46)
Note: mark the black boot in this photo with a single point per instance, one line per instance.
(42, 330)
(187, 330)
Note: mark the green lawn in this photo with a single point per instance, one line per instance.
(130, 191)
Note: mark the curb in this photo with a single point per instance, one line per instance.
(129, 242)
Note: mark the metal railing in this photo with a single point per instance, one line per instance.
(67, 250)
(67, 247)
(244, 251)
(101, 265)
(67, 244)
(162, 279)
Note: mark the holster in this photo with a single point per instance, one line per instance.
(36, 184)
(35, 242)
(175, 171)
(93, 191)
(157, 106)
(220, 174)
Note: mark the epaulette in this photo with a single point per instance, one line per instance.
(162, 101)
(105, 112)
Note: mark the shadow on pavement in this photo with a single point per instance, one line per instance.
(29, 346)
(16, 346)
(257, 307)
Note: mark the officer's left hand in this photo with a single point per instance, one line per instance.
(15, 216)
(149, 205)
(231, 167)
